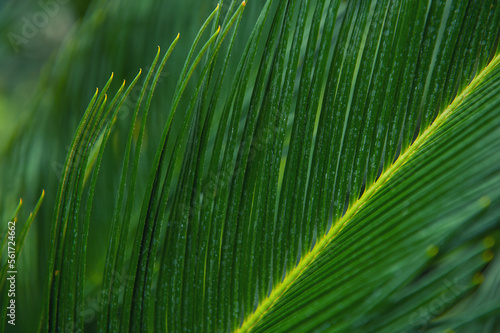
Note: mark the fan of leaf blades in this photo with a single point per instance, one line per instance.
(18, 237)
(353, 170)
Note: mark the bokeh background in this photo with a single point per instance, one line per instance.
(53, 55)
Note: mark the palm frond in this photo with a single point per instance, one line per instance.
(339, 173)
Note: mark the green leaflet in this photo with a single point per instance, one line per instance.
(390, 213)
(8, 245)
(315, 166)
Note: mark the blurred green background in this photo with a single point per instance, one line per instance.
(53, 55)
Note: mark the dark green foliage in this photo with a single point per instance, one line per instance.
(314, 165)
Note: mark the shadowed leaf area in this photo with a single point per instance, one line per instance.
(276, 166)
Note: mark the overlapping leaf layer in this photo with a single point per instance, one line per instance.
(345, 180)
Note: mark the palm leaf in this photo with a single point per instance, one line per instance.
(339, 173)
(12, 243)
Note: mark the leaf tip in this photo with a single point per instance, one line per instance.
(478, 278)
(489, 242)
(488, 255)
(432, 250)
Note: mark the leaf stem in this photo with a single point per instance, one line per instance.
(308, 258)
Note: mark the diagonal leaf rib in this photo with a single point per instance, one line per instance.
(308, 258)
